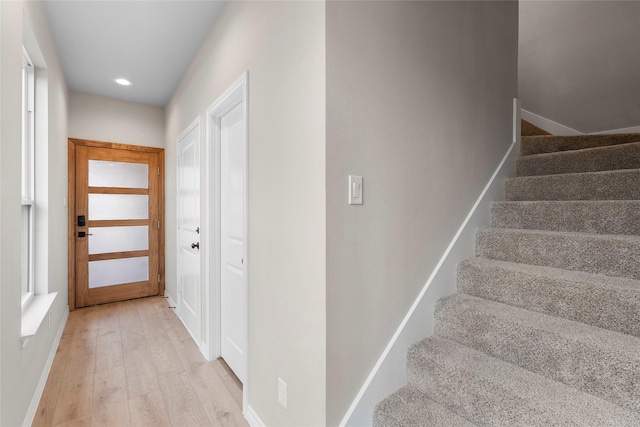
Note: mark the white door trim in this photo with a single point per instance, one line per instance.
(200, 341)
(236, 93)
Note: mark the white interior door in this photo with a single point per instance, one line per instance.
(233, 290)
(188, 238)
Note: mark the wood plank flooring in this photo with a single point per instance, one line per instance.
(133, 363)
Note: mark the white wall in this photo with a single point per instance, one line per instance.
(579, 63)
(99, 118)
(20, 370)
(282, 45)
(419, 102)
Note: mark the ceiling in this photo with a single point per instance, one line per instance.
(150, 43)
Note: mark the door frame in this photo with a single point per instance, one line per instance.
(71, 210)
(236, 93)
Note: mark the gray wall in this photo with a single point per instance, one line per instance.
(21, 369)
(99, 118)
(579, 63)
(419, 102)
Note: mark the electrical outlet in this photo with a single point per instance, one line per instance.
(282, 393)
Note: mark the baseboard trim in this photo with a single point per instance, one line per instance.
(252, 418)
(562, 130)
(634, 129)
(35, 401)
(384, 378)
(549, 125)
(170, 300)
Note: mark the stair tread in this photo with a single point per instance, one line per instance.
(577, 151)
(610, 254)
(409, 407)
(568, 202)
(489, 391)
(602, 185)
(612, 157)
(585, 216)
(557, 292)
(618, 237)
(537, 144)
(598, 361)
(622, 343)
(569, 275)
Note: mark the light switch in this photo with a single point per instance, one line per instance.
(355, 190)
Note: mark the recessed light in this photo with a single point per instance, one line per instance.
(123, 82)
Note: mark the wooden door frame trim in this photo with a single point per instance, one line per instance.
(71, 197)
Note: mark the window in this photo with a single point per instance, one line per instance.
(28, 177)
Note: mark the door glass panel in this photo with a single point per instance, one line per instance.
(118, 174)
(118, 239)
(118, 271)
(118, 206)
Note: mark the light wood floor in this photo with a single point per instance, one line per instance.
(134, 364)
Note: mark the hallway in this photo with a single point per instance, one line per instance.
(133, 363)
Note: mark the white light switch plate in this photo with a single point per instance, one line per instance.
(282, 393)
(355, 190)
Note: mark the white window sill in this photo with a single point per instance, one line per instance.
(34, 314)
(26, 300)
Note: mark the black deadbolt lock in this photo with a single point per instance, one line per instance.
(81, 221)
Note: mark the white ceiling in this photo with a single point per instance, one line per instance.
(150, 43)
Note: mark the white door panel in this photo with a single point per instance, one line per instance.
(189, 286)
(232, 221)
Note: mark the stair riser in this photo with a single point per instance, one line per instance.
(618, 307)
(529, 129)
(622, 185)
(591, 253)
(552, 144)
(625, 156)
(584, 217)
(588, 365)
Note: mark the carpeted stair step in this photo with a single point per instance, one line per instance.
(488, 391)
(606, 185)
(609, 254)
(552, 144)
(529, 129)
(607, 302)
(600, 216)
(623, 156)
(409, 407)
(594, 360)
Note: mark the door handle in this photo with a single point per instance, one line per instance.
(195, 245)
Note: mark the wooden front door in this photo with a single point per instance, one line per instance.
(116, 243)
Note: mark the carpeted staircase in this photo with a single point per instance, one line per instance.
(545, 327)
